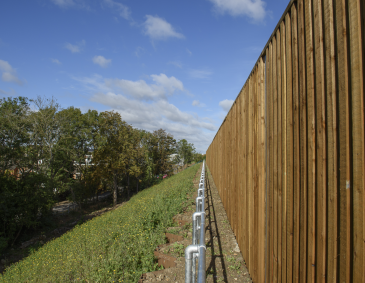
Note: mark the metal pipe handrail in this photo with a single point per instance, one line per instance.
(198, 248)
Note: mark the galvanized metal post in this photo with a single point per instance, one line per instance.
(197, 249)
(189, 254)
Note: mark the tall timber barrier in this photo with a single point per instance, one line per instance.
(288, 160)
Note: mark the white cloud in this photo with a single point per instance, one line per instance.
(12, 92)
(79, 4)
(63, 3)
(157, 28)
(164, 86)
(75, 48)
(226, 104)
(255, 9)
(5, 66)
(56, 61)
(189, 52)
(141, 90)
(101, 61)
(198, 103)
(122, 10)
(175, 63)
(9, 73)
(145, 106)
(200, 74)
(169, 83)
(160, 114)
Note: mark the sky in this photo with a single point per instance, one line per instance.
(171, 64)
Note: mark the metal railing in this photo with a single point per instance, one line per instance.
(196, 251)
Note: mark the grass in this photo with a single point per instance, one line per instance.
(115, 247)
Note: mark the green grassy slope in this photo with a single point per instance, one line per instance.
(115, 247)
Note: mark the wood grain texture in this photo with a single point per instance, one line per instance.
(255, 186)
(344, 136)
(311, 128)
(296, 153)
(321, 123)
(271, 144)
(262, 174)
(303, 143)
(275, 154)
(290, 153)
(283, 151)
(245, 145)
(332, 198)
(279, 153)
(357, 127)
(267, 159)
(250, 202)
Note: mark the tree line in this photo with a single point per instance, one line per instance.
(44, 152)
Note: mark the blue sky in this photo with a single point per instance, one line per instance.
(176, 65)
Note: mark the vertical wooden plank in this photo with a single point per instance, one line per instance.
(233, 174)
(358, 166)
(255, 213)
(296, 152)
(321, 186)
(344, 139)
(279, 153)
(244, 145)
(303, 142)
(283, 150)
(271, 183)
(261, 172)
(229, 175)
(250, 174)
(275, 154)
(331, 141)
(311, 260)
(240, 172)
(290, 146)
(267, 160)
(237, 168)
(225, 162)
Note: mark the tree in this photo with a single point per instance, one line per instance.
(14, 136)
(185, 150)
(164, 146)
(115, 147)
(23, 193)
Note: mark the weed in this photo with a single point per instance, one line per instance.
(179, 249)
(174, 231)
(235, 266)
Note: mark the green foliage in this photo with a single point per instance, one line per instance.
(21, 202)
(115, 247)
(179, 249)
(43, 150)
(3, 243)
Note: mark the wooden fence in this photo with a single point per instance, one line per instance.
(288, 160)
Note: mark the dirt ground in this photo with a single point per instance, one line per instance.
(224, 261)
